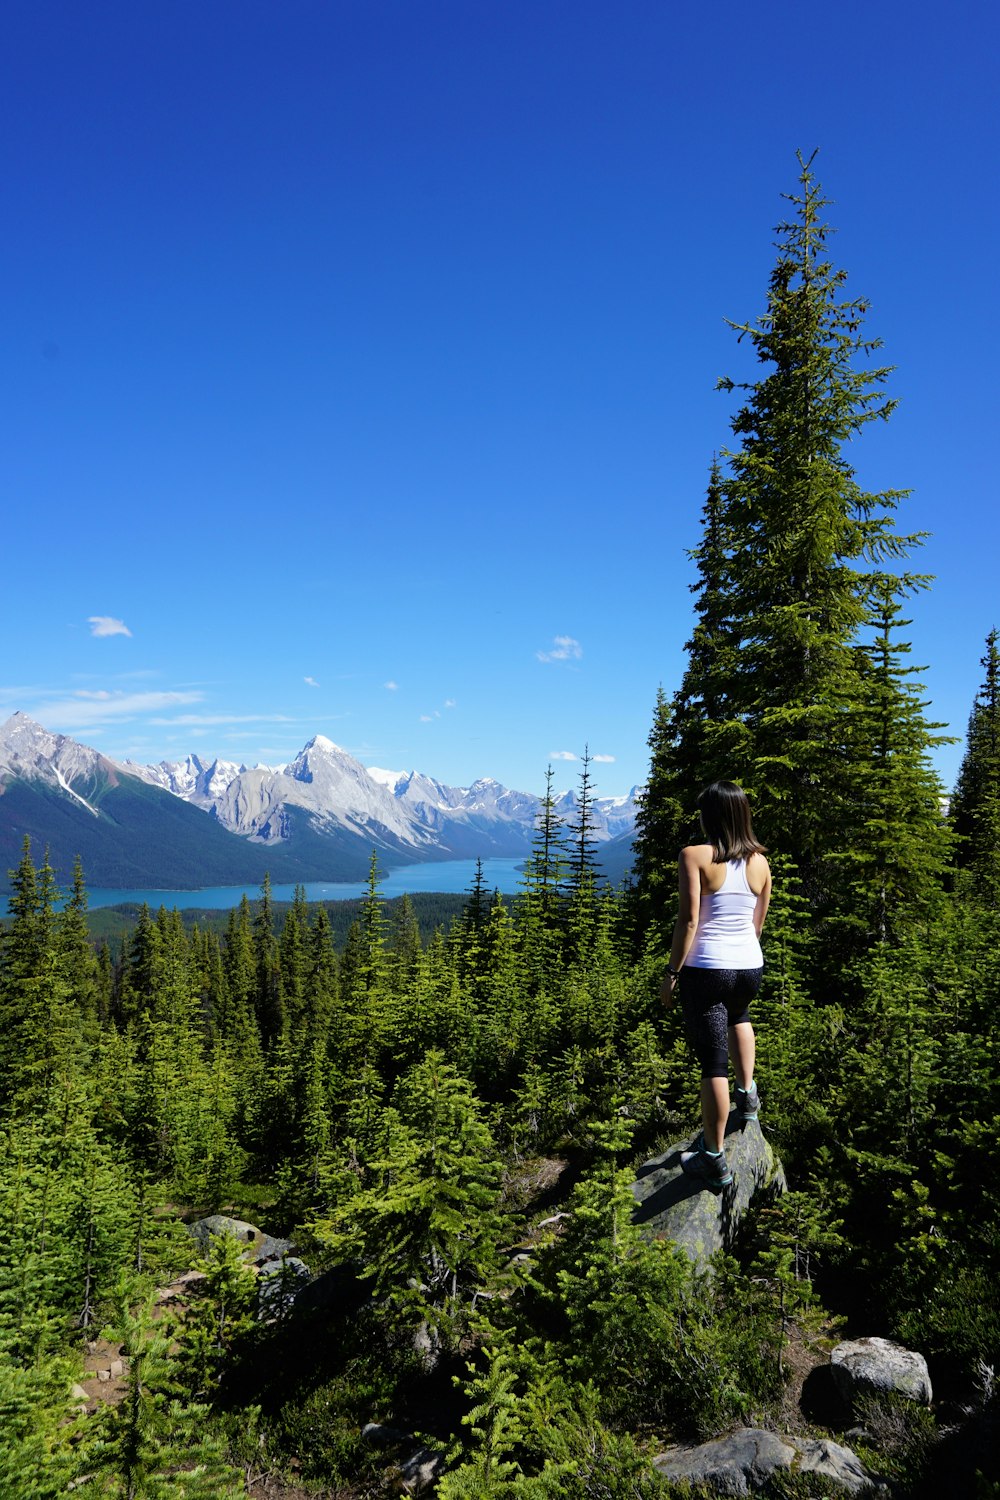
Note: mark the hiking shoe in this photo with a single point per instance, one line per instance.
(714, 1170)
(747, 1105)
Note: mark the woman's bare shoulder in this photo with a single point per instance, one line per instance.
(758, 872)
(696, 854)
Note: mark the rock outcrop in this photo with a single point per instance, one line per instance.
(257, 1246)
(282, 1277)
(419, 1468)
(700, 1219)
(746, 1461)
(280, 1285)
(877, 1367)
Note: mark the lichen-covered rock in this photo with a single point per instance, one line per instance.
(699, 1219)
(734, 1465)
(255, 1244)
(878, 1366)
(831, 1461)
(421, 1471)
(746, 1460)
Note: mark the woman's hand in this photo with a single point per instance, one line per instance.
(668, 989)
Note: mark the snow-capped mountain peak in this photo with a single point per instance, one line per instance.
(408, 810)
(196, 780)
(391, 779)
(30, 752)
(324, 791)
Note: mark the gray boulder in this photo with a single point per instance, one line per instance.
(279, 1286)
(700, 1219)
(746, 1460)
(255, 1244)
(878, 1366)
(419, 1470)
(734, 1465)
(831, 1461)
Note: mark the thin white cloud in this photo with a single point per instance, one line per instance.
(603, 760)
(89, 708)
(140, 674)
(449, 703)
(562, 755)
(310, 682)
(427, 718)
(107, 625)
(209, 719)
(392, 687)
(564, 648)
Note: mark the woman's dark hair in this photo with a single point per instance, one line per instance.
(725, 817)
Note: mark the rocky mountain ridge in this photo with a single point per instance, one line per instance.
(338, 793)
(316, 818)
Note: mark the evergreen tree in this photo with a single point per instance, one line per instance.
(219, 1322)
(324, 986)
(38, 1431)
(546, 868)
(270, 999)
(373, 933)
(427, 1227)
(104, 983)
(542, 904)
(583, 864)
(151, 1447)
(975, 805)
(899, 845)
(145, 961)
(777, 675)
(658, 831)
(239, 958)
(293, 958)
(43, 1029)
(76, 956)
(803, 535)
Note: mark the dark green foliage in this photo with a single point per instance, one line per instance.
(424, 1222)
(153, 1447)
(975, 805)
(37, 1429)
(217, 1328)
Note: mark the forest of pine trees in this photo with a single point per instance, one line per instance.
(448, 1121)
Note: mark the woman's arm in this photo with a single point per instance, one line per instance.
(763, 898)
(689, 892)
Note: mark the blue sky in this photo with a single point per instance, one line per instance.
(358, 359)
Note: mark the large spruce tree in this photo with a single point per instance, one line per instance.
(975, 806)
(794, 570)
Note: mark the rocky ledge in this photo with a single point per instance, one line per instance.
(700, 1219)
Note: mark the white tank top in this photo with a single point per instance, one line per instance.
(726, 938)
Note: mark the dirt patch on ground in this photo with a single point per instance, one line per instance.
(103, 1378)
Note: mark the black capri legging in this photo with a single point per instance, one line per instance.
(713, 1000)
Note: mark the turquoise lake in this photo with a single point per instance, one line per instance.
(449, 875)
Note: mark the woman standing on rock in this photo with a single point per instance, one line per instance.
(725, 887)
